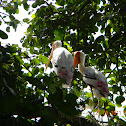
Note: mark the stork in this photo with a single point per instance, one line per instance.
(92, 77)
(62, 62)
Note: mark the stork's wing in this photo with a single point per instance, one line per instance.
(96, 79)
(93, 74)
(62, 58)
(62, 62)
(89, 76)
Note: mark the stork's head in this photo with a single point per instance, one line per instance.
(79, 57)
(55, 45)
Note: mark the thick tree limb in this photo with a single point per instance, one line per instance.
(72, 120)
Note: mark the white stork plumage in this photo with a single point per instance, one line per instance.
(92, 77)
(62, 62)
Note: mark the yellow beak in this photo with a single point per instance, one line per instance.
(75, 62)
(50, 57)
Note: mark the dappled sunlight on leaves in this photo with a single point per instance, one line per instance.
(38, 98)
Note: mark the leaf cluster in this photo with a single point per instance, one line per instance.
(29, 93)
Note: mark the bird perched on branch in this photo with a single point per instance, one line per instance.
(62, 62)
(92, 77)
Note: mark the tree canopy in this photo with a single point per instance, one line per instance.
(29, 96)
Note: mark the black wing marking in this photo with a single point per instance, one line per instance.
(90, 76)
(63, 67)
(102, 93)
(57, 65)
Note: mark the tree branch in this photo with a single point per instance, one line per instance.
(111, 72)
(72, 120)
(3, 19)
(4, 13)
(78, 38)
(83, 6)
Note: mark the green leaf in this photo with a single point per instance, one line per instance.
(95, 29)
(0, 22)
(88, 95)
(37, 3)
(26, 6)
(102, 112)
(68, 46)
(115, 88)
(27, 65)
(36, 61)
(26, 20)
(119, 100)
(99, 39)
(114, 60)
(43, 59)
(14, 45)
(68, 125)
(60, 2)
(56, 97)
(68, 109)
(33, 16)
(3, 35)
(17, 12)
(111, 107)
(31, 50)
(59, 34)
(8, 29)
(13, 24)
(107, 70)
(19, 59)
(101, 62)
(35, 71)
(41, 70)
(88, 116)
(111, 122)
(71, 98)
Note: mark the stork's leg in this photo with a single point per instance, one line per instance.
(70, 87)
(99, 109)
(92, 97)
(69, 83)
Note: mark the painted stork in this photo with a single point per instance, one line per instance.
(92, 77)
(62, 62)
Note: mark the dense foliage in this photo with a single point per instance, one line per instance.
(31, 97)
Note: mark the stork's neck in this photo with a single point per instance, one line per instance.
(81, 65)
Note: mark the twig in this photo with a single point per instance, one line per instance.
(110, 72)
(92, 116)
(28, 70)
(78, 38)
(4, 13)
(49, 5)
(88, 1)
(11, 90)
(3, 19)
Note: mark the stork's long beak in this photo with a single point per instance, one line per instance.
(50, 57)
(75, 62)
